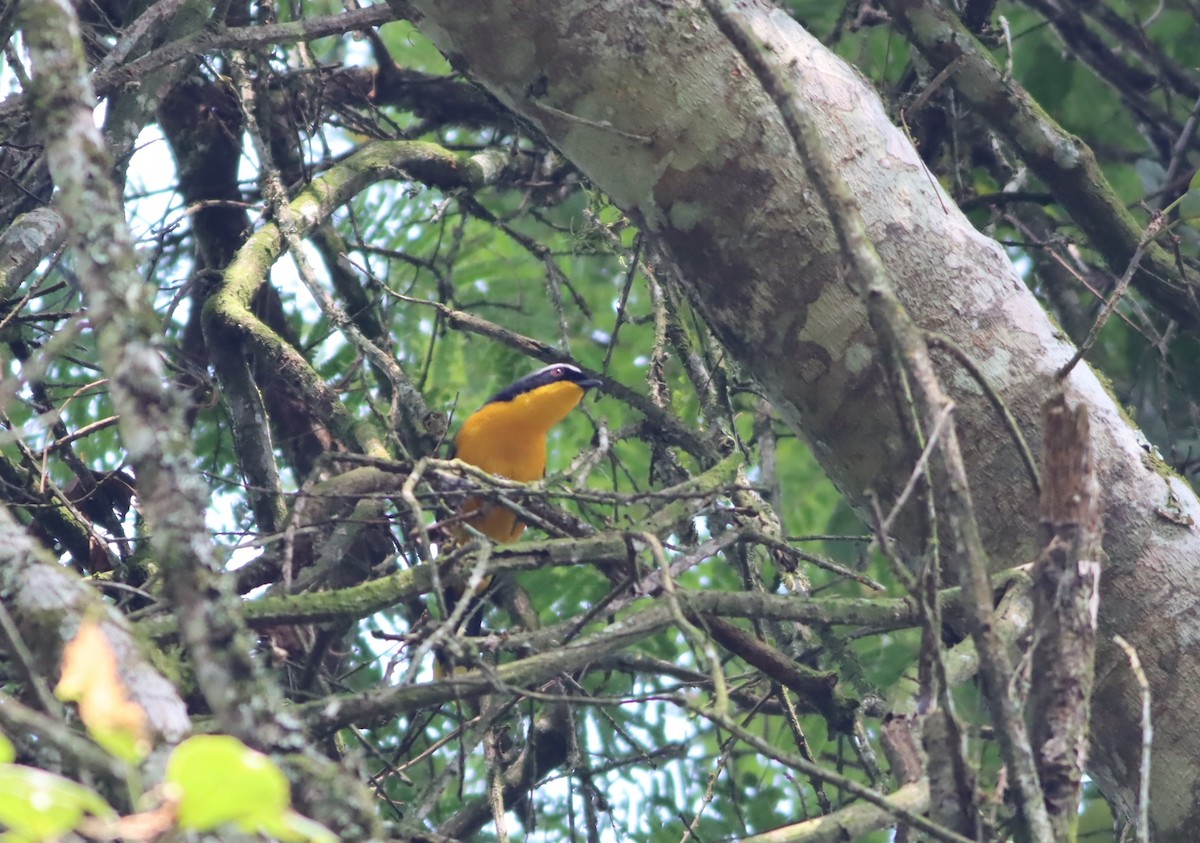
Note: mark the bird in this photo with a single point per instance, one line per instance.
(507, 437)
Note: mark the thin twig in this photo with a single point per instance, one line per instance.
(1143, 806)
(843, 783)
(1010, 422)
(1157, 223)
(918, 470)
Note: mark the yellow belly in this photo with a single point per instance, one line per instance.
(523, 460)
(508, 439)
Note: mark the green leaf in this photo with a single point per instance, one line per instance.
(7, 753)
(224, 781)
(36, 805)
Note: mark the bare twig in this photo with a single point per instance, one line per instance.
(1010, 422)
(1143, 806)
(1152, 230)
(1062, 161)
(848, 785)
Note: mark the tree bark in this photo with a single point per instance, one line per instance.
(657, 108)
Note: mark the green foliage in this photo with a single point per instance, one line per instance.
(213, 781)
(38, 806)
(221, 781)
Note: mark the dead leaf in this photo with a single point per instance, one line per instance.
(91, 679)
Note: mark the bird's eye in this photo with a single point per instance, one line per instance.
(559, 372)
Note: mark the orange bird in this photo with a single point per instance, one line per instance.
(507, 437)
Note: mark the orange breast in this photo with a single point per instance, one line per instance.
(521, 458)
(508, 439)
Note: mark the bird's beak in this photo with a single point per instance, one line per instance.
(589, 383)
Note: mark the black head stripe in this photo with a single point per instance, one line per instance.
(542, 377)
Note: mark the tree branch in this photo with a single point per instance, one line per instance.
(1066, 603)
(173, 495)
(1062, 161)
(909, 354)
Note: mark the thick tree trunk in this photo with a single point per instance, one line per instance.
(652, 103)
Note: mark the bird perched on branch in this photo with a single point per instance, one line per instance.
(507, 437)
